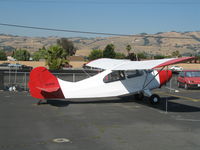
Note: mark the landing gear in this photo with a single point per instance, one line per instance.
(154, 99)
(139, 96)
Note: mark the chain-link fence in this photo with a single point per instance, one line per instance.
(18, 80)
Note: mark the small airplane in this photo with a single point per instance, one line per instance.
(119, 78)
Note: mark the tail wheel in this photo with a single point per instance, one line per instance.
(139, 96)
(154, 99)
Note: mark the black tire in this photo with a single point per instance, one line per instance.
(154, 99)
(139, 96)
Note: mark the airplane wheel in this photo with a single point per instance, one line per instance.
(154, 99)
(139, 96)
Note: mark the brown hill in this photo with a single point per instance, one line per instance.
(161, 43)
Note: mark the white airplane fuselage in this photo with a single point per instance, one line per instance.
(95, 87)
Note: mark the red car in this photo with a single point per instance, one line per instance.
(189, 79)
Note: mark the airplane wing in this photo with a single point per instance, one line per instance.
(123, 64)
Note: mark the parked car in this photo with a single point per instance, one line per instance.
(4, 64)
(176, 69)
(15, 65)
(189, 79)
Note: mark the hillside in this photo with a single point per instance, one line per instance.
(161, 43)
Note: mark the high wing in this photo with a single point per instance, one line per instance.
(123, 64)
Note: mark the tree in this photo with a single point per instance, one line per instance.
(40, 54)
(95, 54)
(3, 55)
(132, 56)
(198, 58)
(142, 55)
(55, 57)
(120, 56)
(176, 54)
(68, 46)
(109, 51)
(128, 48)
(159, 57)
(21, 55)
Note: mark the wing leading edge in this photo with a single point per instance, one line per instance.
(121, 64)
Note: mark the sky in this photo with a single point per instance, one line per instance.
(108, 16)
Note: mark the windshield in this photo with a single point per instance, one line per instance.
(193, 74)
(114, 76)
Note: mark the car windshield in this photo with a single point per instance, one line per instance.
(193, 74)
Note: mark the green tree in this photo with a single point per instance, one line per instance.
(95, 54)
(40, 54)
(142, 55)
(55, 57)
(176, 54)
(3, 55)
(21, 55)
(128, 48)
(120, 56)
(198, 58)
(159, 56)
(132, 56)
(68, 46)
(109, 51)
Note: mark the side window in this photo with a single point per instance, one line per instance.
(134, 73)
(114, 76)
(181, 74)
(189, 74)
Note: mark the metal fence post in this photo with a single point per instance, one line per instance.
(25, 84)
(74, 77)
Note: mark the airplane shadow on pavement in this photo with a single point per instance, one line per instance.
(172, 106)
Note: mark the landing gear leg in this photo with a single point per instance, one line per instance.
(139, 96)
(153, 98)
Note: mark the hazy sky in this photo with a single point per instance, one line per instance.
(111, 16)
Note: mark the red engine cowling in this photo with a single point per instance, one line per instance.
(164, 76)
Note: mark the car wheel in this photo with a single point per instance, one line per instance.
(154, 99)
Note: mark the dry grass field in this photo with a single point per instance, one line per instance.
(75, 64)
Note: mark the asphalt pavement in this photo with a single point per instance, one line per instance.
(109, 124)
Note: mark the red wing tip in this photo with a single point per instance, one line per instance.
(174, 61)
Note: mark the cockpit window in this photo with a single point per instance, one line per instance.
(134, 73)
(114, 76)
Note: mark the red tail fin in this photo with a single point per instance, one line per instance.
(44, 85)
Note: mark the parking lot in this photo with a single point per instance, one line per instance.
(107, 124)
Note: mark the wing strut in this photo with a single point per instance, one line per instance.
(144, 86)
